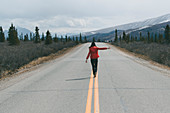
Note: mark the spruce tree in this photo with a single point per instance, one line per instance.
(127, 38)
(37, 36)
(120, 38)
(116, 37)
(42, 37)
(80, 38)
(132, 39)
(160, 38)
(140, 36)
(85, 39)
(73, 38)
(98, 40)
(167, 34)
(124, 36)
(148, 37)
(77, 41)
(55, 38)
(156, 39)
(94, 39)
(136, 38)
(13, 36)
(2, 36)
(66, 38)
(31, 38)
(21, 36)
(48, 38)
(151, 38)
(69, 39)
(61, 39)
(26, 37)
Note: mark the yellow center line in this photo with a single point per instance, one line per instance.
(89, 97)
(96, 95)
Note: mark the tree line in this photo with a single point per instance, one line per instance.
(150, 38)
(14, 39)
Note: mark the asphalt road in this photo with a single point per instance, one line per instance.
(66, 85)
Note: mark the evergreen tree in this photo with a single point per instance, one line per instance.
(143, 38)
(37, 36)
(80, 38)
(55, 38)
(61, 39)
(151, 38)
(124, 36)
(77, 41)
(120, 38)
(140, 36)
(148, 38)
(98, 40)
(21, 36)
(66, 38)
(85, 39)
(2, 36)
(116, 37)
(43, 37)
(127, 38)
(156, 40)
(93, 39)
(26, 37)
(69, 39)
(31, 37)
(132, 39)
(136, 38)
(48, 38)
(167, 34)
(73, 38)
(13, 36)
(160, 38)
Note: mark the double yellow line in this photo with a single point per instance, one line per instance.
(96, 95)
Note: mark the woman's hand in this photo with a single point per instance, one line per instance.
(86, 60)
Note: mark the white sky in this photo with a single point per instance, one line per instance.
(74, 16)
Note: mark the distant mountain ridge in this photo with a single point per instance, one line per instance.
(134, 25)
(154, 29)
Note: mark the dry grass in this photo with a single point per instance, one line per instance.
(14, 57)
(157, 52)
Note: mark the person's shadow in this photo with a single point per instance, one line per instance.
(78, 79)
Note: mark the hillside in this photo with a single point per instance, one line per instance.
(158, 28)
(154, 25)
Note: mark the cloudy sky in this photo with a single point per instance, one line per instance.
(74, 16)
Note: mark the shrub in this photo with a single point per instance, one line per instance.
(13, 57)
(155, 51)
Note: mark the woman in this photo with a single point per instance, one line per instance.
(93, 53)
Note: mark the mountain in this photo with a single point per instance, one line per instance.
(134, 25)
(158, 28)
(20, 30)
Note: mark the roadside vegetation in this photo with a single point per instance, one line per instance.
(156, 47)
(17, 51)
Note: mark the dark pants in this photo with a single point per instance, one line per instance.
(94, 65)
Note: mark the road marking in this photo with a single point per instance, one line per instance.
(89, 97)
(96, 95)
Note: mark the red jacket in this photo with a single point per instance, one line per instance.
(93, 52)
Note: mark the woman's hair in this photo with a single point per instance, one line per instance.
(92, 44)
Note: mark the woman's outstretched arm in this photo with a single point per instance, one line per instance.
(103, 48)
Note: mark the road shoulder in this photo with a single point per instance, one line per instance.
(26, 70)
(143, 60)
